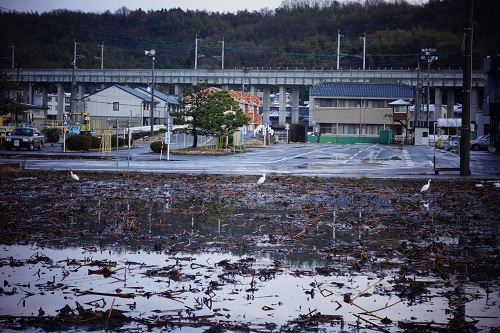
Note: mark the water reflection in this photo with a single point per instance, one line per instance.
(365, 259)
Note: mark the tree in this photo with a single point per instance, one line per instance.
(8, 104)
(208, 111)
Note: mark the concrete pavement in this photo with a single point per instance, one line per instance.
(311, 159)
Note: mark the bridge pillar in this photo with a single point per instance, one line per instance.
(253, 91)
(60, 101)
(28, 93)
(178, 90)
(282, 106)
(438, 103)
(45, 103)
(266, 99)
(450, 103)
(295, 105)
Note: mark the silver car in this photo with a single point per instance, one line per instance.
(25, 137)
(482, 142)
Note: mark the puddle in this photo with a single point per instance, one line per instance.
(204, 253)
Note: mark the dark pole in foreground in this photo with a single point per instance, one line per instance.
(467, 80)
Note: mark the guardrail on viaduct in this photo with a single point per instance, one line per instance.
(245, 76)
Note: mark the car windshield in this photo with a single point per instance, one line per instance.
(23, 131)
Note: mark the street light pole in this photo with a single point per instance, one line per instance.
(152, 54)
(428, 55)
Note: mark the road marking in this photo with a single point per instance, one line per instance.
(407, 157)
(359, 152)
(295, 156)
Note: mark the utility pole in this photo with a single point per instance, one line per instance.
(196, 56)
(74, 96)
(467, 79)
(222, 56)
(12, 56)
(418, 97)
(102, 54)
(364, 50)
(338, 48)
(152, 54)
(428, 55)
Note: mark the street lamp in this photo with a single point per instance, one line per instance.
(152, 55)
(428, 55)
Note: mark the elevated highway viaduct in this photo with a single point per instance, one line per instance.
(253, 78)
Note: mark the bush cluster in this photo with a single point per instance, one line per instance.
(52, 134)
(156, 146)
(121, 141)
(88, 142)
(82, 142)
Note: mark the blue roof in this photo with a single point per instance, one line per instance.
(360, 90)
(134, 92)
(170, 99)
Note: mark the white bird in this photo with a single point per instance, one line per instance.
(426, 186)
(75, 177)
(261, 180)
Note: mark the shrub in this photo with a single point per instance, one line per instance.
(156, 146)
(79, 142)
(96, 142)
(52, 133)
(121, 141)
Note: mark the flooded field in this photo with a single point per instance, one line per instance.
(211, 253)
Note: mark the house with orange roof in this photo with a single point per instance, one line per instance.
(248, 103)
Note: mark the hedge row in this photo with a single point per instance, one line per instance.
(88, 142)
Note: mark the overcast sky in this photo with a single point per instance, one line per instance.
(41, 6)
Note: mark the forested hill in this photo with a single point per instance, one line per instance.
(300, 33)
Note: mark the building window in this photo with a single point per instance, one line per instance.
(67, 108)
(379, 104)
(67, 100)
(353, 103)
(326, 128)
(400, 109)
(325, 103)
(351, 129)
(116, 106)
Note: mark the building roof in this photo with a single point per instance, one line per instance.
(170, 99)
(134, 92)
(36, 107)
(239, 96)
(362, 90)
(400, 102)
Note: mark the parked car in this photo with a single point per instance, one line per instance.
(481, 142)
(25, 137)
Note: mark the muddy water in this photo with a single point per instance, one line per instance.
(192, 253)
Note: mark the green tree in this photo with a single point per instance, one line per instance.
(206, 111)
(8, 104)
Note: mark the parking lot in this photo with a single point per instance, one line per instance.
(313, 159)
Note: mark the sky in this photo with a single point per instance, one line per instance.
(100, 6)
